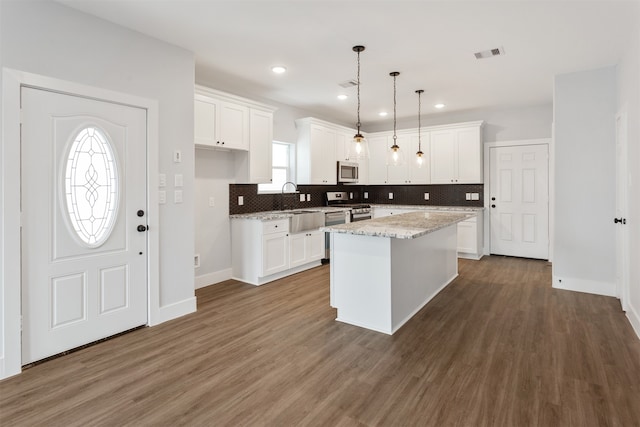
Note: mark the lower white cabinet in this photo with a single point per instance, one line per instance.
(264, 250)
(305, 247)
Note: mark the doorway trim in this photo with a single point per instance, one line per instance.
(487, 186)
(10, 221)
(622, 184)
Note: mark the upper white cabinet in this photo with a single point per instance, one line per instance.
(456, 154)
(320, 145)
(406, 173)
(225, 121)
(220, 124)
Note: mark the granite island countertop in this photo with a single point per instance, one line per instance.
(268, 215)
(403, 226)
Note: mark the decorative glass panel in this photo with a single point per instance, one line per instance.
(91, 186)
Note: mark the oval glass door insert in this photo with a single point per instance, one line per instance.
(91, 186)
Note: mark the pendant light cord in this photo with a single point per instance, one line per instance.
(358, 90)
(394, 108)
(419, 124)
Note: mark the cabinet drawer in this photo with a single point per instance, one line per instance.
(275, 226)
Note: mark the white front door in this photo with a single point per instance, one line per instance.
(519, 201)
(622, 204)
(83, 196)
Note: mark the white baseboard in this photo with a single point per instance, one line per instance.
(211, 278)
(177, 309)
(588, 286)
(634, 319)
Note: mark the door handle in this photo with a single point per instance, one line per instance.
(621, 220)
(142, 228)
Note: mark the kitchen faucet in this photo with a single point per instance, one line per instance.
(295, 189)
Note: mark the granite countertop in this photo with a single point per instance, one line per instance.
(431, 207)
(403, 226)
(267, 215)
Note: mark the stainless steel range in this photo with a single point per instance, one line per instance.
(350, 212)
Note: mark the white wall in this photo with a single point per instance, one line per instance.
(214, 171)
(629, 98)
(584, 118)
(49, 39)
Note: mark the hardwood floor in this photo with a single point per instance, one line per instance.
(498, 346)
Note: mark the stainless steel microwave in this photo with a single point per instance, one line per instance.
(347, 172)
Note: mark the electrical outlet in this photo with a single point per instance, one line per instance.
(212, 202)
(302, 197)
(390, 196)
(426, 196)
(351, 195)
(178, 180)
(240, 200)
(468, 196)
(162, 197)
(308, 197)
(177, 156)
(366, 195)
(196, 260)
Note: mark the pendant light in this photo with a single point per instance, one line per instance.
(396, 156)
(358, 149)
(419, 153)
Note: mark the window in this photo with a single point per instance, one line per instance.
(282, 169)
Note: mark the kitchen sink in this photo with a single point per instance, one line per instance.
(305, 221)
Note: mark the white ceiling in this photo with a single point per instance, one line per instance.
(431, 43)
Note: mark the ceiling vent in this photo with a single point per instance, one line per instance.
(489, 53)
(349, 83)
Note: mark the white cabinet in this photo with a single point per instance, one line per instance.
(263, 251)
(255, 166)
(305, 247)
(406, 173)
(456, 155)
(220, 124)
(320, 145)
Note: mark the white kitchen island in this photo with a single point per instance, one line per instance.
(383, 271)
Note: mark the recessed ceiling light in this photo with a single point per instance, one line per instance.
(439, 106)
(278, 69)
(382, 113)
(342, 97)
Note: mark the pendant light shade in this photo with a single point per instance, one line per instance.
(395, 156)
(359, 148)
(420, 158)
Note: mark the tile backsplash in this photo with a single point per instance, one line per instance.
(439, 195)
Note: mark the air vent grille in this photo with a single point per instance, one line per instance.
(348, 83)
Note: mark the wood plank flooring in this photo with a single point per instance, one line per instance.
(498, 347)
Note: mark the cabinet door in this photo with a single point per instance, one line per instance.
(234, 126)
(315, 245)
(469, 155)
(420, 174)
(297, 249)
(342, 142)
(260, 145)
(275, 253)
(323, 156)
(378, 160)
(204, 114)
(443, 157)
(467, 236)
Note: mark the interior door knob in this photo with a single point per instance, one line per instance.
(620, 220)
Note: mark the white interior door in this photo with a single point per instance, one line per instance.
(519, 205)
(622, 194)
(84, 261)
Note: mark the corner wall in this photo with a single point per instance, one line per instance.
(584, 118)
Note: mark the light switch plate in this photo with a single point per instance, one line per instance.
(162, 180)
(426, 196)
(366, 195)
(302, 197)
(178, 180)
(240, 200)
(350, 195)
(177, 196)
(468, 196)
(162, 197)
(212, 202)
(390, 196)
(177, 156)
(475, 196)
(308, 197)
